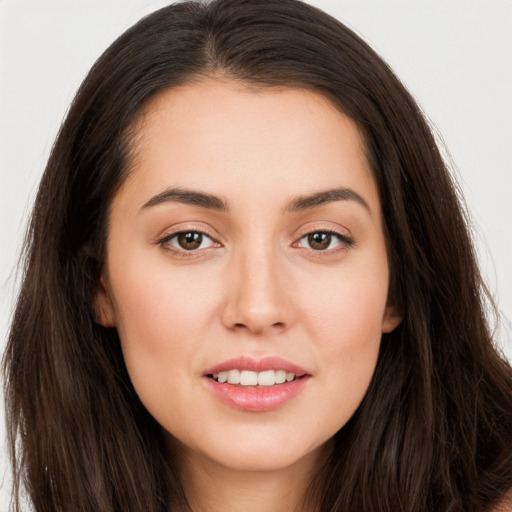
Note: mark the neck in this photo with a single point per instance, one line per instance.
(212, 487)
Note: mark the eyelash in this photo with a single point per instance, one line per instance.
(183, 253)
(345, 242)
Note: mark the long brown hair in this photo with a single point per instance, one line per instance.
(434, 430)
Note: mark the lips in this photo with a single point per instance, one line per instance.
(243, 391)
(257, 365)
(250, 378)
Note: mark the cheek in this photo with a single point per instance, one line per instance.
(351, 330)
(345, 318)
(161, 319)
(347, 308)
(160, 316)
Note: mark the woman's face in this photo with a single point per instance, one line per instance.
(247, 243)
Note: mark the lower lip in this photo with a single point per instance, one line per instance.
(255, 399)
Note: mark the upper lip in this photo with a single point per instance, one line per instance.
(257, 365)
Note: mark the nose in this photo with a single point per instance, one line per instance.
(258, 295)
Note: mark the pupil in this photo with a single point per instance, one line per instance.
(190, 240)
(319, 241)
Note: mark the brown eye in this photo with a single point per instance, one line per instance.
(324, 241)
(189, 241)
(319, 241)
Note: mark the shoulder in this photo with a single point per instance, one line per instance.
(505, 504)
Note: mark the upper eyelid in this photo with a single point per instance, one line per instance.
(171, 232)
(322, 228)
(343, 233)
(346, 239)
(166, 240)
(165, 243)
(170, 236)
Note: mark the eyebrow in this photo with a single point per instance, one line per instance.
(317, 199)
(191, 197)
(212, 202)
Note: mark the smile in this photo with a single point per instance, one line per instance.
(250, 378)
(256, 385)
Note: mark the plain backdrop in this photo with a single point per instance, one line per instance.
(454, 56)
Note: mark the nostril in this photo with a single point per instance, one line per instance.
(241, 325)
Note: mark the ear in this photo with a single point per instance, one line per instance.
(105, 315)
(391, 320)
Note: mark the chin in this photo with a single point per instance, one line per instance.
(259, 450)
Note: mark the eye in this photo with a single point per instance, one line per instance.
(323, 241)
(188, 241)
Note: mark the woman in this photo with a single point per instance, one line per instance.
(249, 285)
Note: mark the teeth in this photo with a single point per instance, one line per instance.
(234, 377)
(267, 378)
(249, 378)
(280, 376)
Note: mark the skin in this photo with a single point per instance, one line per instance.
(255, 287)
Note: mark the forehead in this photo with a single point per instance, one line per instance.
(226, 135)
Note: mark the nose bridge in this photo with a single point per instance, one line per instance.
(257, 298)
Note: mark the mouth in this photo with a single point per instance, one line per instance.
(245, 378)
(256, 385)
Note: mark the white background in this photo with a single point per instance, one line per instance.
(455, 56)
